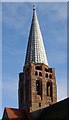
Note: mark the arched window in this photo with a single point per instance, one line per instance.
(39, 87)
(50, 70)
(49, 89)
(40, 74)
(46, 69)
(50, 76)
(36, 73)
(38, 67)
(46, 75)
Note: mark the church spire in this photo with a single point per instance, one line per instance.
(35, 49)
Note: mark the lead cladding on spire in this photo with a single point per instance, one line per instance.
(35, 48)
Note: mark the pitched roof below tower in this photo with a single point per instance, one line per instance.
(14, 114)
(57, 111)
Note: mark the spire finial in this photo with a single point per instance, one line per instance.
(34, 7)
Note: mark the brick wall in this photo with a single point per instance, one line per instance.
(38, 87)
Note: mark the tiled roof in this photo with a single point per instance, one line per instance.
(15, 114)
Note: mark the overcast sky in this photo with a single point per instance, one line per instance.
(16, 23)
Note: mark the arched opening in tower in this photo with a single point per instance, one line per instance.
(49, 89)
(38, 67)
(39, 87)
(50, 76)
(46, 75)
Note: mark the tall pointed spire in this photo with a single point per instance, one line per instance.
(35, 49)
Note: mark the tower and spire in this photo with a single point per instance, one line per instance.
(37, 82)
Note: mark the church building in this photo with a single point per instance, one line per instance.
(37, 89)
(37, 82)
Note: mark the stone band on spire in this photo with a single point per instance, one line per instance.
(35, 49)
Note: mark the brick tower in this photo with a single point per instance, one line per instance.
(37, 83)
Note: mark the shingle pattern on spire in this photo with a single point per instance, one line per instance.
(35, 49)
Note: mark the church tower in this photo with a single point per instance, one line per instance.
(37, 83)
